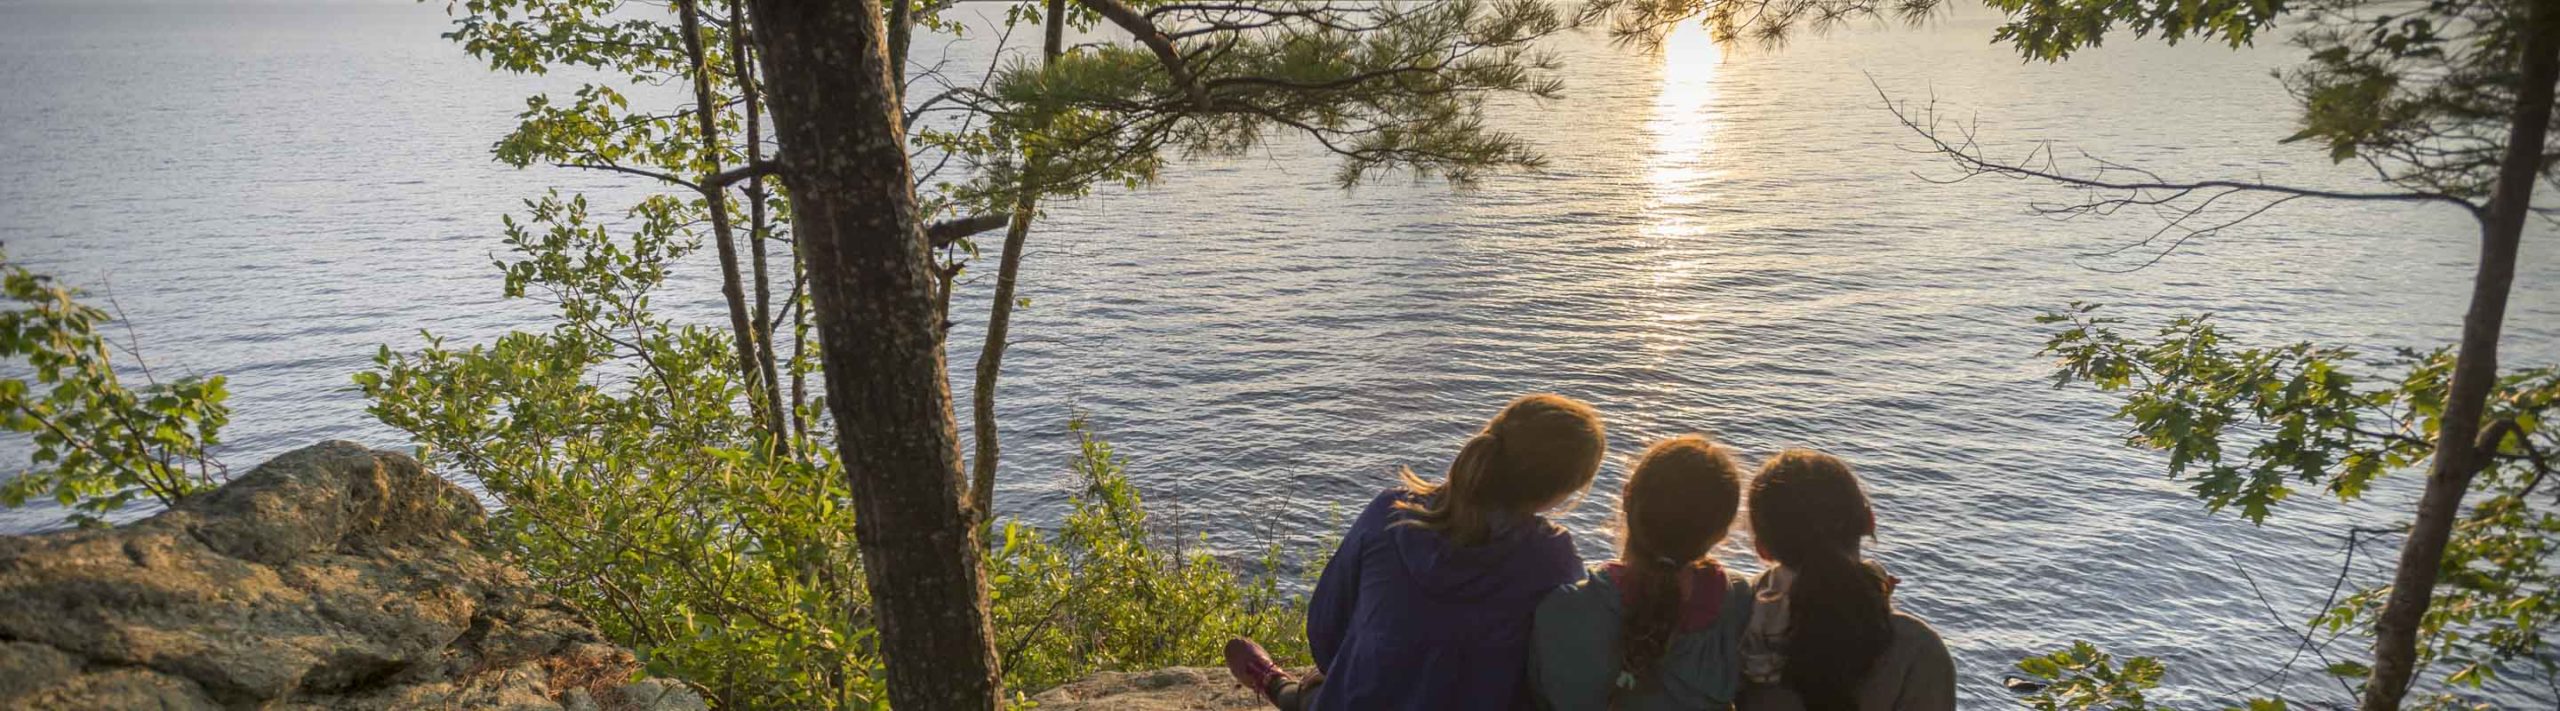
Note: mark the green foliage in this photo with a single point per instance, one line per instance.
(2051, 30)
(1384, 86)
(2304, 420)
(1768, 23)
(533, 36)
(633, 485)
(1109, 590)
(99, 443)
(2495, 592)
(2186, 393)
(595, 127)
(636, 487)
(2421, 92)
(2084, 678)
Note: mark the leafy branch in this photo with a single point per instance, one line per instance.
(99, 443)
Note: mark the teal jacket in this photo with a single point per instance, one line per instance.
(1573, 657)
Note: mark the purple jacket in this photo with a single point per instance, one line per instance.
(1403, 619)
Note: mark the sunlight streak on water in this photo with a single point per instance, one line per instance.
(1685, 118)
(1682, 131)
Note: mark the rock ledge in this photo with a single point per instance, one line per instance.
(332, 577)
(1171, 689)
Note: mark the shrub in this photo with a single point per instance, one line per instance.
(100, 444)
(2247, 425)
(1107, 590)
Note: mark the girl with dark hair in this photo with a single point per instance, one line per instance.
(1824, 635)
(1426, 604)
(1661, 626)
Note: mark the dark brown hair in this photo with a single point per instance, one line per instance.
(1808, 513)
(1538, 450)
(1678, 504)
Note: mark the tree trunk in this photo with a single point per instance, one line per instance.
(982, 397)
(2459, 455)
(1055, 42)
(723, 235)
(759, 228)
(902, 29)
(944, 275)
(799, 350)
(833, 101)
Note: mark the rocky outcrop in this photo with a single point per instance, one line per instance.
(333, 577)
(1174, 689)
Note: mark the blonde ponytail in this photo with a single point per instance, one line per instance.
(1539, 450)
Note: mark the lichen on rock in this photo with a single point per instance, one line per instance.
(331, 577)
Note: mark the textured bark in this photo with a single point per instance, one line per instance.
(723, 232)
(2459, 453)
(953, 230)
(1055, 42)
(833, 101)
(799, 352)
(943, 276)
(902, 29)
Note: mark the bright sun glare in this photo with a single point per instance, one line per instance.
(1684, 115)
(1683, 129)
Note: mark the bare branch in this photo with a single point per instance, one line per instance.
(2113, 186)
(952, 230)
(2493, 441)
(754, 169)
(645, 173)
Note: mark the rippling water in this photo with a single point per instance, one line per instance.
(1725, 242)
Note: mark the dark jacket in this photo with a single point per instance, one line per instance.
(1405, 619)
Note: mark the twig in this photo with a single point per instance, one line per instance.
(697, 187)
(2339, 584)
(2177, 202)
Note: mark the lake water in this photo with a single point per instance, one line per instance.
(1731, 242)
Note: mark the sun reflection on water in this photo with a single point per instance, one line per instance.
(1679, 178)
(1684, 116)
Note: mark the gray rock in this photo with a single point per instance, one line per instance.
(1173, 689)
(122, 689)
(330, 495)
(658, 695)
(331, 577)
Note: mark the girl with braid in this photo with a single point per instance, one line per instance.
(1825, 635)
(1660, 627)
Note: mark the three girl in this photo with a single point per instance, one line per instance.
(1459, 594)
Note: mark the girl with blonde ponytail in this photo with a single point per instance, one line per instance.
(1426, 605)
(1661, 626)
(1824, 635)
